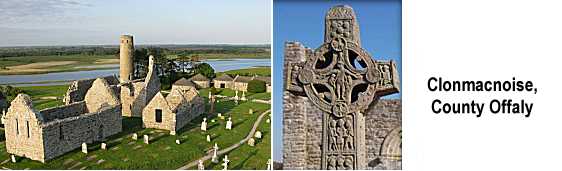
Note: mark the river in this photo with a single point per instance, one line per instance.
(64, 77)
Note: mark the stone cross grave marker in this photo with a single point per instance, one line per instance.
(145, 139)
(341, 79)
(214, 158)
(204, 125)
(200, 166)
(229, 123)
(84, 148)
(226, 161)
(268, 164)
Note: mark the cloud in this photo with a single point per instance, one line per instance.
(37, 12)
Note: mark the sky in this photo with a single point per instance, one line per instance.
(380, 30)
(95, 22)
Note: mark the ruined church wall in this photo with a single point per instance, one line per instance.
(77, 90)
(24, 144)
(381, 119)
(133, 101)
(189, 112)
(62, 136)
(66, 111)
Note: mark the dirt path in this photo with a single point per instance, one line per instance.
(228, 149)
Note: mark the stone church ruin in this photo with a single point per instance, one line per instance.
(333, 116)
(46, 134)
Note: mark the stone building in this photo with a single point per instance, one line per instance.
(333, 117)
(78, 89)
(240, 83)
(201, 81)
(223, 81)
(135, 94)
(46, 134)
(175, 110)
(126, 50)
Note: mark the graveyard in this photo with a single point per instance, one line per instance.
(162, 150)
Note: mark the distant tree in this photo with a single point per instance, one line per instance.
(256, 86)
(206, 70)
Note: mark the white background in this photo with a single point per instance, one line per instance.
(482, 40)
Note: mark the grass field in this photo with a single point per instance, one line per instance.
(232, 93)
(44, 96)
(46, 64)
(261, 71)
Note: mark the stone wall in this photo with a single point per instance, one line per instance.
(227, 84)
(78, 89)
(62, 136)
(66, 111)
(202, 84)
(168, 117)
(176, 111)
(384, 124)
(133, 99)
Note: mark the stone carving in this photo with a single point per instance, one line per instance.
(342, 80)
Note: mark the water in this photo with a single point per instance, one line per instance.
(64, 77)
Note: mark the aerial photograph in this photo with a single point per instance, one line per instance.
(135, 85)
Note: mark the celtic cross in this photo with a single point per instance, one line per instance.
(342, 79)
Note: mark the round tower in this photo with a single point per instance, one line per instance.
(126, 50)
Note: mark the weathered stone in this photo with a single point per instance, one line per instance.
(208, 138)
(251, 142)
(327, 94)
(204, 125)
(135, 136)
(135, 94)
(13, 158)
(145, 137)
(84, 148)
(103, 146)
(178, 141)
(46, 134)
(226, 161)
(267, 121)
(100, 161)
(250, 111)
(229, 123)
(258, 135)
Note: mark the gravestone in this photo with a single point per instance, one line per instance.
(243, 98)
(219, 115)
(103, 146)
(250, 111)
(267, 121)
(172, 132)
(214, 159)
(178, 141)
(341, 80)
(251, 142)
(212, 121)
(209, 94)
(84, 148)
(135, 136)
(257, 135)
(236, 96)
(268, 164)
(229, 123)
(13, 158)
(204, 125)
(200, 166)
(145, 137)
(226, 161)
(208, 138)
(212, 104)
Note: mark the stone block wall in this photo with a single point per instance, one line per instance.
(62, 136)
(227, 84)
(66, 111)
(133, 99)
(202, 84)
(78, 89)
(22, 129)
(168, 116)
(382, 119)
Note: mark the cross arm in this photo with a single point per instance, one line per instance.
(389, 82)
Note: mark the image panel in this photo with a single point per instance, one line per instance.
(339, 104)
(135, 85)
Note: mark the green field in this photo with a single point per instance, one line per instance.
(77, 63)
(261, 71)
(44, 96)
